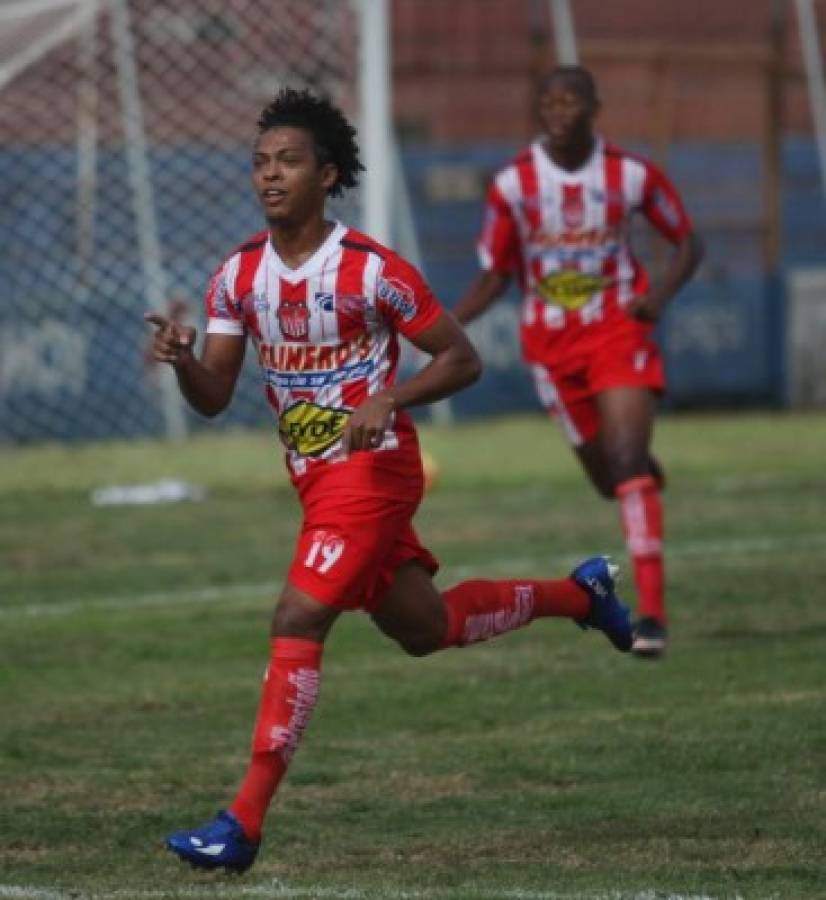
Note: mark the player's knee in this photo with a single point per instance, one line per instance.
(421, 641)
(626, 462)
(301, 617)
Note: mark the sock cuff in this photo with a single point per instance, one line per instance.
(299, 649)
(639, 484)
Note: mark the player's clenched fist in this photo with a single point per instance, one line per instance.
(367, 424)
(172, 342)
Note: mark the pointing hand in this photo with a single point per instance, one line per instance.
(172, 342)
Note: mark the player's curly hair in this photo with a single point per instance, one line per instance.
(334, 137)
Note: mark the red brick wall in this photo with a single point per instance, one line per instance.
(464, 69)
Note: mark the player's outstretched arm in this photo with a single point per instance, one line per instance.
(483, 292)
(206, 383)
(454, 364)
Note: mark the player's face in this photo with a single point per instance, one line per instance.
(291, 184)
(567, 116)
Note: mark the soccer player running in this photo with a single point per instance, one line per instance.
(324, 306)
(558, 217)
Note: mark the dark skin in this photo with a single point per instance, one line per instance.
(622, 448)
(292, 184)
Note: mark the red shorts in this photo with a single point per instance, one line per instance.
(350, 546)
(569, 391)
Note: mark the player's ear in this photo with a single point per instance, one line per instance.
(329, 176)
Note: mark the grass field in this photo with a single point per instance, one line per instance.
(540, 765)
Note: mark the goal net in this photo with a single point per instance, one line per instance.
(125, 135)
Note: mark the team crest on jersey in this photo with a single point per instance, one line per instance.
(294, 319)
(573, 206)
(570, 289)
(310, 429)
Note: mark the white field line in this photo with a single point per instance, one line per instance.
(180, 597)
(759, 544)
(278, 891)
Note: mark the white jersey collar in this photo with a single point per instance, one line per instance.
(312, 265)
(544, 160)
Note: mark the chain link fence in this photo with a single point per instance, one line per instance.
(125, 135)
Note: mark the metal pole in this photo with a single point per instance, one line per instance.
(773, 139)
(441, 412)
(810, 43)
(406, 236)
(87, 142)
(143, 201)
(564, 34)
(374, 90)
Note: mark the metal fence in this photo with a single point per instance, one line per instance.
(125, 136)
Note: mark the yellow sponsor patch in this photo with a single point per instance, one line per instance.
(310, 429)
(570, 289)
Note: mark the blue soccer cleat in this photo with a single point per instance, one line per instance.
(608, 613)
(220, 843)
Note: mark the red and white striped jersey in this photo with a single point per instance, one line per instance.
(566, 236)
(326, 337)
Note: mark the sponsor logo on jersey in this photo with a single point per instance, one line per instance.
(219, 299)
(313, 357)
(325, 301)
(607, 196)
(310, 429)
(294, 319)
(344, 304)
(606, 240)
(314, 380)
(354, 312)
(398, 295)
(316, 365)
(570, 289)
(260, 303)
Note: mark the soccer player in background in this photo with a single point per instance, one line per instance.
(558, 218)
(324, 306)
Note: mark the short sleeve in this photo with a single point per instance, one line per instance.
(404, 299)
(224, 313)
(662, 206)
(498, 245)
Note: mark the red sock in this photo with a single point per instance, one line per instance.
(478, 610)
(642, 519)
(287, 700)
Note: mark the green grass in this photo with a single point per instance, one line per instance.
(540, 765)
